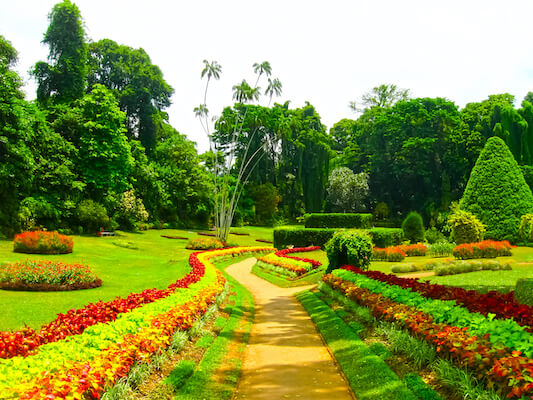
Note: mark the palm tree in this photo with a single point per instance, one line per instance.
(212, 70)
(274, 86)
(243, 92)
(260, 69)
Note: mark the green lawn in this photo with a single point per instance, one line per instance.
(157, 263)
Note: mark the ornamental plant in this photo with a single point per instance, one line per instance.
(496, 191)
(413, 227)
(526, 228)
(42, 242)
(47, 275)
(465, 226)
(485, 249)
(391, 254)
(204, 243)
(349, 247)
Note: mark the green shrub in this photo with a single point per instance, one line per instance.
(413, 227)
(497, 192)
(349, 247)
(524, 291)
(381, 211)
(92, 216)
(441, 249)
(465, 226)
(180, 374)
(526, 228)
(338, 220)
(433, 235)
(386, 237)
(299, 237)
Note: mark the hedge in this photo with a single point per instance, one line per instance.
(301, 237)
(338, 220)
(385, 237)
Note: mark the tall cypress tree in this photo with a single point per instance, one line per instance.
(497, 192)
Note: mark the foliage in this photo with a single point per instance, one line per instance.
(131, 210)
(497, 192)
(381, 211)
(349, 247)
(461, 267)
(347, 191)
(204, 243)
(64, 79)
(92, 216)
(465, 226)
(441, 248)
(179, 375)
(385, 237)
(524, 291)
(433, 235)
(266, 200)
(526, 228)
(338, 220)
(286, 236)
(46, 275)
(41, 242)
(413, 227)
(485, 249)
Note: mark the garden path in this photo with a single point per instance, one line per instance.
(286, 357)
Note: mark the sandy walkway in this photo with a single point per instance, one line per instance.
(286, 358)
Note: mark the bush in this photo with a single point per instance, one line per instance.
(381, 211)
(40, 242)
(465, 226)
(92, 216)
(204, 243)
(385, 237)
(461, 267)
(433, 235)
(391, 254)
(485, 249)
(413, 227)
(131, 210)
(526, 228)
(524, 291)
(349, 247)
(299, 237)
(497, 192)
(441, 249)
(414, 250)
(338, 220)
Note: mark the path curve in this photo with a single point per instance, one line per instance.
(286, 357)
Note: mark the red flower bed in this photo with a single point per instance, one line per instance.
(504, 369)
(485, 249)
(41, 242)
(503, 306)
(314, 263)
(391, 254)
(47, 276)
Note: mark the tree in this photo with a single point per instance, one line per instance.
(64, 77)
(384, 96)
(244, 93)
(266, 200)
(105, 159)
(413, 227)
(139, 86)
(347, 191)
(496, 192)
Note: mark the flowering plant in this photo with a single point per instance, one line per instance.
(42, 242)
(484, 249)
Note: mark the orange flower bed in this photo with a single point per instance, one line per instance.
(485, 249)
(42, 242)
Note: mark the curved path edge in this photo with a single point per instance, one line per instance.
(286, 357)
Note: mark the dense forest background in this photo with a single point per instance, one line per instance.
(95, 149)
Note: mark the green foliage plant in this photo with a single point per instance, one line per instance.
(386, 237)
(524, 291)
(413, 227)
(338, 220)
(381, 211)
(299, 237)
(526, 228)
(92, 216)
(497, 192)
(349, 247)
(179, 375)
(465, 226)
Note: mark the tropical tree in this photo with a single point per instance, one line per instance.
(347, 191)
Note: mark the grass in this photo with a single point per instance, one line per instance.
(368, 374)
(123, 271)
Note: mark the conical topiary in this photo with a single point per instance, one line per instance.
(497, 192)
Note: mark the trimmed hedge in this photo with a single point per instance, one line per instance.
(301, 237)
(386, 237)
(338, 220)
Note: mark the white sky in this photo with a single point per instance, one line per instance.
(325, 52)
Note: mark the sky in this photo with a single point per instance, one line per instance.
(325, 52)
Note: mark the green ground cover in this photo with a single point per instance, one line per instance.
(155, 264)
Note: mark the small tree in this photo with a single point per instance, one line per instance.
(497, 192)
(413, 227)
(349, 248)
(465, 226)
(347, 191)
